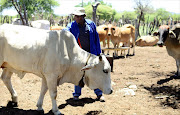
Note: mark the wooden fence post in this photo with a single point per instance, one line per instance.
(123, 20)
(136, 29)
(94, 11)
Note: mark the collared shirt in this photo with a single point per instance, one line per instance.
(84, 37)
(95, 47)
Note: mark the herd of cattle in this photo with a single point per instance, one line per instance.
(55, 55)
(119, 36)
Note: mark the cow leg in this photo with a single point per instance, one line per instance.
(115, 51)
(108, 45)
(104, 43)
(6, 78)
(52, 86)
(43, 92)
(133, 48)
(128, 45)
(177, 64)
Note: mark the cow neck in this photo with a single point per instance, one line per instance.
(81, 82)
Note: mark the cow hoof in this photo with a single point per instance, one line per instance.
(12, 104)
(55, 113)
(41, 112)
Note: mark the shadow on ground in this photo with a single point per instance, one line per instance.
(169, 95)
(11, 110)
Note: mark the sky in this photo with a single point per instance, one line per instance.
(67, 6)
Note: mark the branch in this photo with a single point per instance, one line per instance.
(18, 10)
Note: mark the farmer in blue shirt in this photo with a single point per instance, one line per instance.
(87, 37)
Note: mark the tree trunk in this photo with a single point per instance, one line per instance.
(25, 14)
(18, 9)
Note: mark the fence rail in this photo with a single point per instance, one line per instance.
(146, 27)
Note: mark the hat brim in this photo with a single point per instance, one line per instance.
(79, 14)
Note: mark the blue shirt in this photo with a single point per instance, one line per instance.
(84, 37)
(93, 35)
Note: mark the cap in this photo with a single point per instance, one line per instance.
(79, 11)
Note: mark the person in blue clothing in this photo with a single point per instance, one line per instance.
(87, 37)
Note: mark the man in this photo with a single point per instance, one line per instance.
(88, 39)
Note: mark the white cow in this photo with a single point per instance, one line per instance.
(17, 21)
(40, 24)
(52, 55)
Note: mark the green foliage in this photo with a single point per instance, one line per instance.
(84, 4)
(175, 16)
(162, 13)
(126, 14)
(103, 11)
(5, 4)
(32, 6)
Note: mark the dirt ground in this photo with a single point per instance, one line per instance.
(151, 70)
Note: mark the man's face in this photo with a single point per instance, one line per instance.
(79, 19)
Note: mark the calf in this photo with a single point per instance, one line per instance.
(125, 36)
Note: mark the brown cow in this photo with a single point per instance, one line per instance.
(171, 39)
(147, 41)
(103, 34)
(131, 31)
(124, 35)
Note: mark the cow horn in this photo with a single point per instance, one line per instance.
(172, 33)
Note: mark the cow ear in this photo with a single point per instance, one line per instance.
(155, 34)
(87, 67)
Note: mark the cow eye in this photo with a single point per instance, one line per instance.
(105, 71)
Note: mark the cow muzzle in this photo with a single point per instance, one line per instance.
(160, 44)
(111, 92)
(108, 91)
(109, 34)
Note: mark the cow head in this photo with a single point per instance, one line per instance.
(110, 29)
(163, 33)
(97, 74)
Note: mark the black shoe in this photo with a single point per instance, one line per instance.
(76, 98)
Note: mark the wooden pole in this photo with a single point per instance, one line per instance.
(94, 10)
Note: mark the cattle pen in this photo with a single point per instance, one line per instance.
(151, 70)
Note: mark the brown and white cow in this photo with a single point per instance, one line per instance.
(171, 39)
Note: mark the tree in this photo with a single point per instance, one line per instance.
(141, 8)
(162, 13)
(26, 8)
(104, 10)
